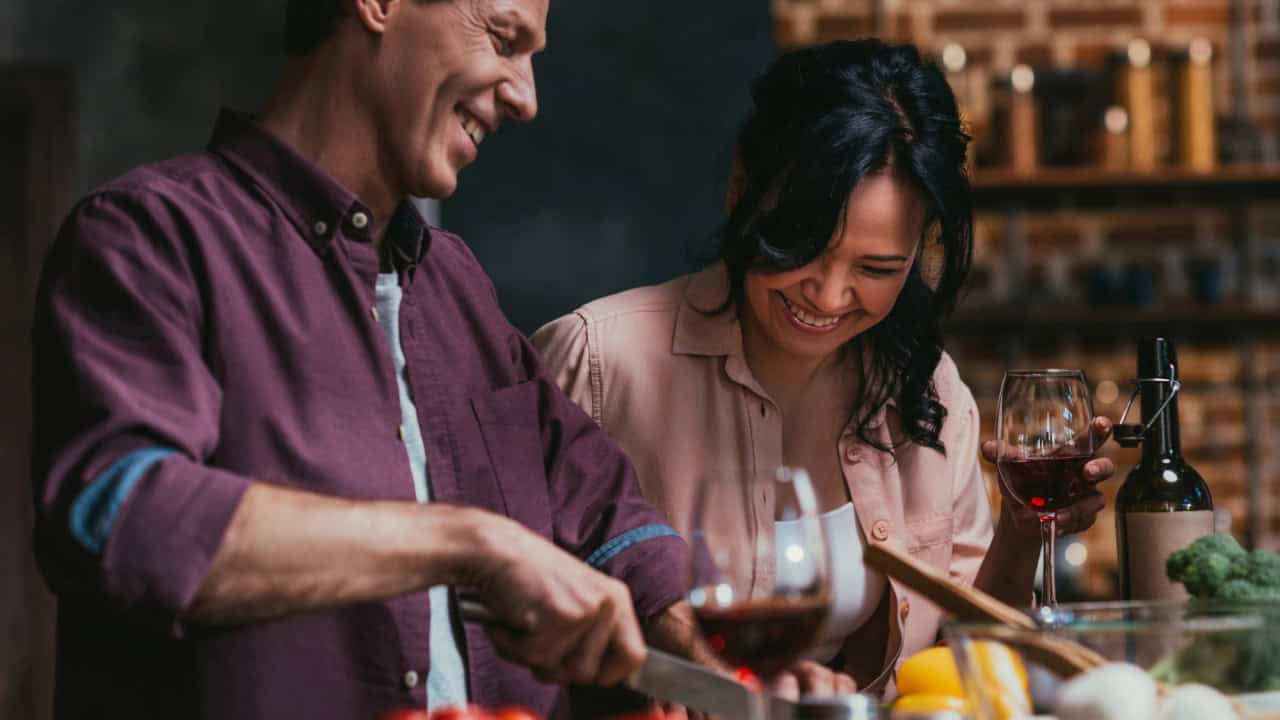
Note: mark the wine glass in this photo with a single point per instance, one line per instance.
(1042, 427)
(761, 585)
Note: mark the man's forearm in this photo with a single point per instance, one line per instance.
(289, 551)
(1009, 569)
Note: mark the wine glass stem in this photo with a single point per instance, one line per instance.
(1048, 533)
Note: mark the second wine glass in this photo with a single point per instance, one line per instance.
(760, 590)
(1043, 430)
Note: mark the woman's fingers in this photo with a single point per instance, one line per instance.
(1098, 470)
(786, 685)
(1081, 515)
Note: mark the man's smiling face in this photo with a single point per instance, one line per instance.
(447, 74)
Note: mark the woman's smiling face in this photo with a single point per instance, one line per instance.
(812, 311)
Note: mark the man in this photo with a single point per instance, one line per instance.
(278, 419)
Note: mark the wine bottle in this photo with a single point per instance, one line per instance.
(1164, 504)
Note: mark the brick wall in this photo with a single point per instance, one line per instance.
(1062, 245)
(997, 34)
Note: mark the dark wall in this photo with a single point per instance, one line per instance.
(624, 170)
(150, 74)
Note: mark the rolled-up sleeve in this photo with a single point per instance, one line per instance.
(126, 410)
(599, 512)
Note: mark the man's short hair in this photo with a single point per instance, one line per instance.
(308, 23)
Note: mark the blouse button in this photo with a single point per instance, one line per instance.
(880, 530)
(411, 679)
(852, 454)
(904, 609)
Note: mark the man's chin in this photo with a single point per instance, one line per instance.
(439, 187)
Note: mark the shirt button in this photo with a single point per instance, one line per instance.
(360, 221)
(904, 609)
(320, 228)
(411, 679)
(880, 530)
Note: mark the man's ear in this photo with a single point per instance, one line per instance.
(737, 179)
(373, 14)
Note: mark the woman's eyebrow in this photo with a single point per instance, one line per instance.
(885, 258)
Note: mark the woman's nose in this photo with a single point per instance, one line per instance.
(832, 293)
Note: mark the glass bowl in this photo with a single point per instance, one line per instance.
(1234, 648)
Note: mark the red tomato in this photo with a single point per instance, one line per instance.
(514, 713)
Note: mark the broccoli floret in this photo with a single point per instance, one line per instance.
(1216, 567)
(1240, 590)
(1207, 564)
(1263, 569)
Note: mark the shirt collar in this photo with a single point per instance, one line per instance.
(700, 329)
(314, 201)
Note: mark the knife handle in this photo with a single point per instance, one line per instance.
(472, 611)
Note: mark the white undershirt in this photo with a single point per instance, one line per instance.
(855, 590)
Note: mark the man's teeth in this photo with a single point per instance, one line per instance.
(473, 128)
(807, 319)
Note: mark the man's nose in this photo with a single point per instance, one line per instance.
(519, 94)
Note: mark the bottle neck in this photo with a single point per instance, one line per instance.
(1161, 442)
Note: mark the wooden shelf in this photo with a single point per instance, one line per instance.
(1092, 187)
(1228, 320)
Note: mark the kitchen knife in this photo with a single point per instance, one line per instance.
(666, 677)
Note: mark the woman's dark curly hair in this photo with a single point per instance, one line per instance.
(823, 119)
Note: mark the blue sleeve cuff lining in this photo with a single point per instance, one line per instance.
(93, 513)
(619, 543)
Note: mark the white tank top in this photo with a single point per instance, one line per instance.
(855, 590)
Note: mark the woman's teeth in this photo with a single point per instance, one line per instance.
(472, 127)
(814, 321)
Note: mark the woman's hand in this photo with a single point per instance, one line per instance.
(809, 679)
(805, 678)
(1077, 517)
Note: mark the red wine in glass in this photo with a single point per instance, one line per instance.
(1044, 484)
(760, 598)
(1043, 421)
(764, 636)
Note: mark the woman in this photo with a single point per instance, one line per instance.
(815, 342)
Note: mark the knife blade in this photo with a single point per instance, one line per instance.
(666, 677)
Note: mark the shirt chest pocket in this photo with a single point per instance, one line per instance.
(509, 428)
(930, 540)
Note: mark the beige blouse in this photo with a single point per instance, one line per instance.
(670, 384)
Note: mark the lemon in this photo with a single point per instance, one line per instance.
(930, 672)
(923, 703)
(932, 675)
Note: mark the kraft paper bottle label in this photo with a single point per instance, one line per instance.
(1151, 537)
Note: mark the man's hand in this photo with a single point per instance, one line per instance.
(803, 679)
(1077, 517)
(568, 622)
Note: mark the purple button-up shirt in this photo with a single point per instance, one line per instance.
(209, 322)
